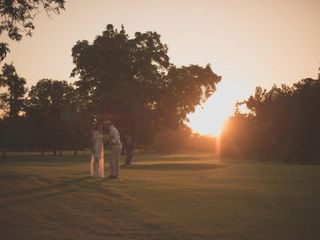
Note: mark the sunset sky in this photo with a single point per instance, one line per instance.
(247, 42)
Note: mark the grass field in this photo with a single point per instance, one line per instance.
(159, 197)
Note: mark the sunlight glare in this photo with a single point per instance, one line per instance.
(211, 117)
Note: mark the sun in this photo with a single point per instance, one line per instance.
(210, 118)
(206, 123)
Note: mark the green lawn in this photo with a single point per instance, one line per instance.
(159, 197)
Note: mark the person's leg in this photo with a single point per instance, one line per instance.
(110, 163)
(115, 153)
(118, 151)
(96, 168)
(113, 160)
(101, 167)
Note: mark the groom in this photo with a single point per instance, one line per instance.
(115, 148)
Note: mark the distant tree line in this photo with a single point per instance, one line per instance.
(49, 117)
(282, 124)
(182, 140)
(54, 117)
(128, 80)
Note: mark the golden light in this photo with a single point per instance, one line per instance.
(211, 117)
(236, 37)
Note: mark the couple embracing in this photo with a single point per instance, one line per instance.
(112, 138)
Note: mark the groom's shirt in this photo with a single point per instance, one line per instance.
(114, 135)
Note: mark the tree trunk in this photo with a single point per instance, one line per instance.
(75, 152)
(129, 149)
(55, 151)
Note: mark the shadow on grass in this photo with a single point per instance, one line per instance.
(174, 166)
(14, 177)
(80, 182)
(51, 190)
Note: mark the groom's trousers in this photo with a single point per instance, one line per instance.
(114, 158)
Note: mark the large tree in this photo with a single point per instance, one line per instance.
(11, 106)
(238, 138)
(18, 17)
(78, 122)
(13, 99)
(49, 109)
(282, 123)
(132, 81)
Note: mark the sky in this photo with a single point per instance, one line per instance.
(248, 42)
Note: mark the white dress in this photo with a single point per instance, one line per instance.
(97, 158)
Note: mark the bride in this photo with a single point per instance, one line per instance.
(97, 157)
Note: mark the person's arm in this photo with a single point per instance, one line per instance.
(106, 138)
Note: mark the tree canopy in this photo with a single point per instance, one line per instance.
(18, 17)
(53, 109)
(133, 82)
(13, 100)
(282, 123)
(12, 104)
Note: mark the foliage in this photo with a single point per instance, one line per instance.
(11, 106)
(18, 17)
(283, 123)
(132, 81)
(14, 98)
(171, 140)
(56, 116)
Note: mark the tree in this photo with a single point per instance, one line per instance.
(282, 124)
(305, 124)
(14, 98)
(2, 138)
(238, 138)
(78, 120)
(49, 107)
(12, 103)
(132, 81)
(172, 140)
(18, 17)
